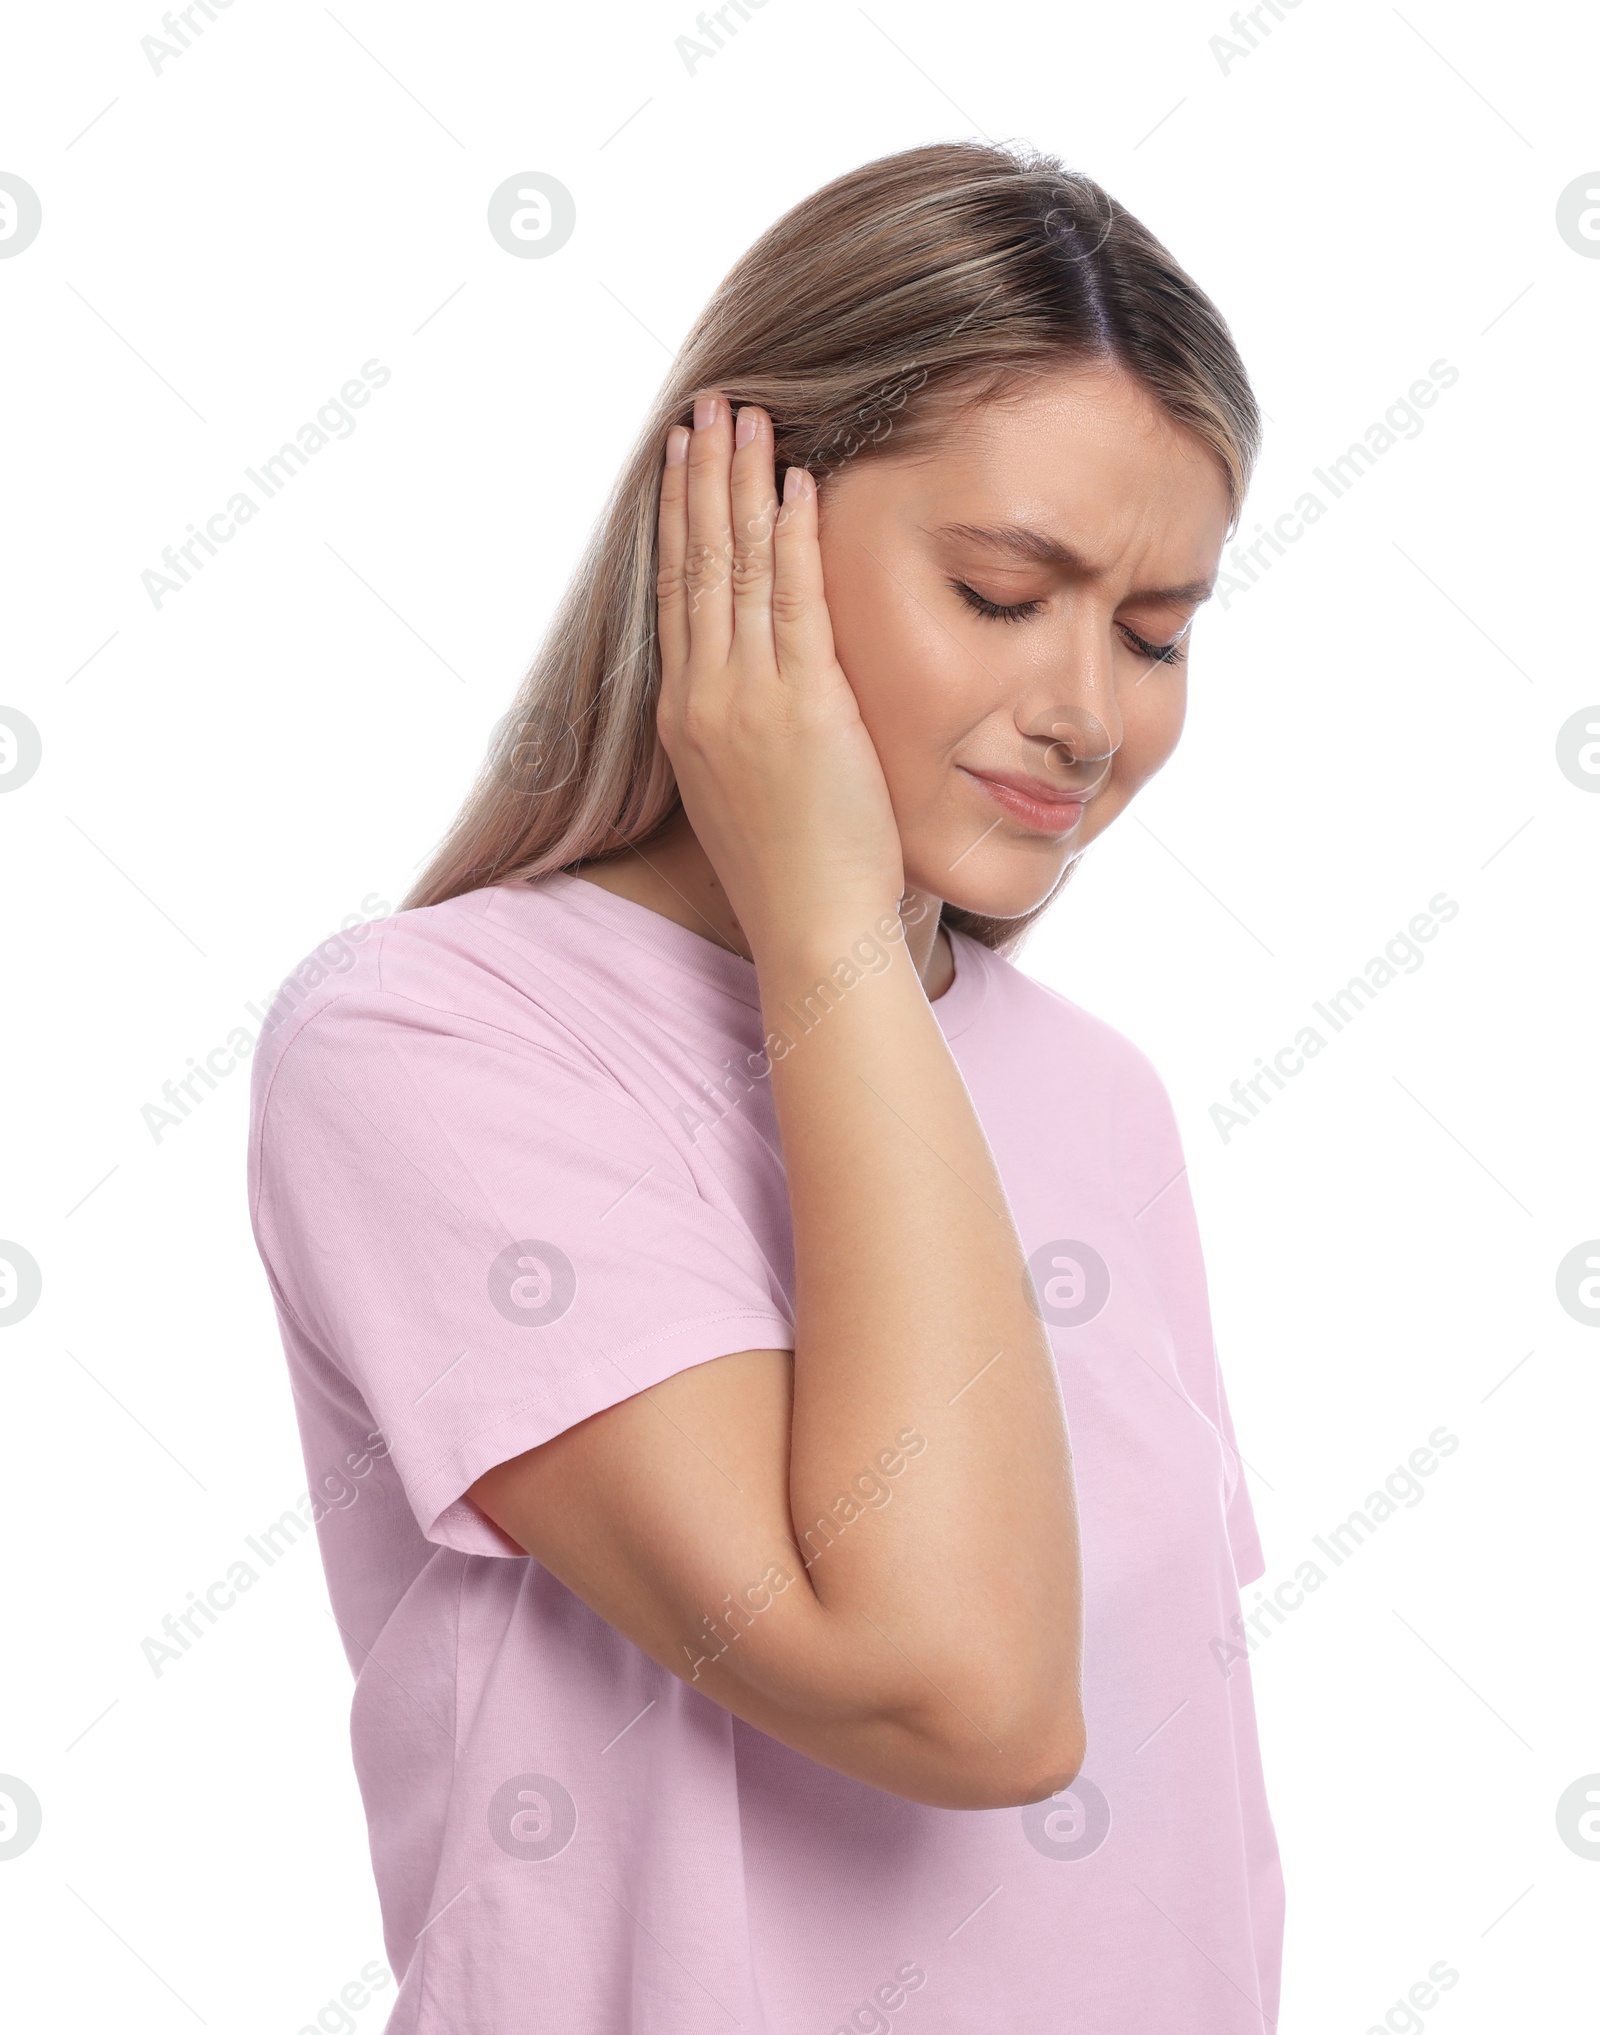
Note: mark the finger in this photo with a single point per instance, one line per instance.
(707, 563)
(801, 631)
(672, 542)
(755, 510)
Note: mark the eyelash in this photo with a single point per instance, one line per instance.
(1158, 653)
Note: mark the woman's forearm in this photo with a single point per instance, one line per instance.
(912, 1314)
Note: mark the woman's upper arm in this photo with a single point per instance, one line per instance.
(668, 1515)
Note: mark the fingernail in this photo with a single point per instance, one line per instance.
(794, 483)
(705, 412)
(744, 426)
(677, 445)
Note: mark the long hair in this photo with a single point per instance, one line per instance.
(921, 282)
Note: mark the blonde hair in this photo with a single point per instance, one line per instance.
(861, 321)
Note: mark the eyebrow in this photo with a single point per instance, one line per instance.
(1034, 545)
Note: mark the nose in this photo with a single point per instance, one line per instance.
(1070, 715)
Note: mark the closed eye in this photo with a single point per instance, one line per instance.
(996, 611)
(1158, 653)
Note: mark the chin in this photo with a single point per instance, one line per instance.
(1009, 888)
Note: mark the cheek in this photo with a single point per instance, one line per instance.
(918, 690)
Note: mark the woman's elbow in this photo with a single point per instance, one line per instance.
(1012, 1759)
(1041, 1760)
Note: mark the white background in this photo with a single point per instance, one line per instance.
(227, 777)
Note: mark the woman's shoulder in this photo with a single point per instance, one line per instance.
(477, 970)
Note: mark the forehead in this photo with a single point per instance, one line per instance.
(1085, 453)
(1094, 404)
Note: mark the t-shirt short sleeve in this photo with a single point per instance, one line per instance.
(490, 1239)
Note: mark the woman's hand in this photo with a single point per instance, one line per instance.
(775, 767)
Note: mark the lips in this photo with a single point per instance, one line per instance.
(1038, 806)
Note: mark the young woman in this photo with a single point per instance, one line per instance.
(750, 1340)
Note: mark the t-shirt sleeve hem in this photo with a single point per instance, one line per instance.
(451, 1520)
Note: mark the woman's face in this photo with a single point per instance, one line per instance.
(1000, 600)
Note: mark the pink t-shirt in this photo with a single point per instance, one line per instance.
(514, 1160)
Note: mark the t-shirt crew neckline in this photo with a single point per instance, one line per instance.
(731, 972)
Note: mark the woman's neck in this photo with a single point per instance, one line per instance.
(672, 874)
